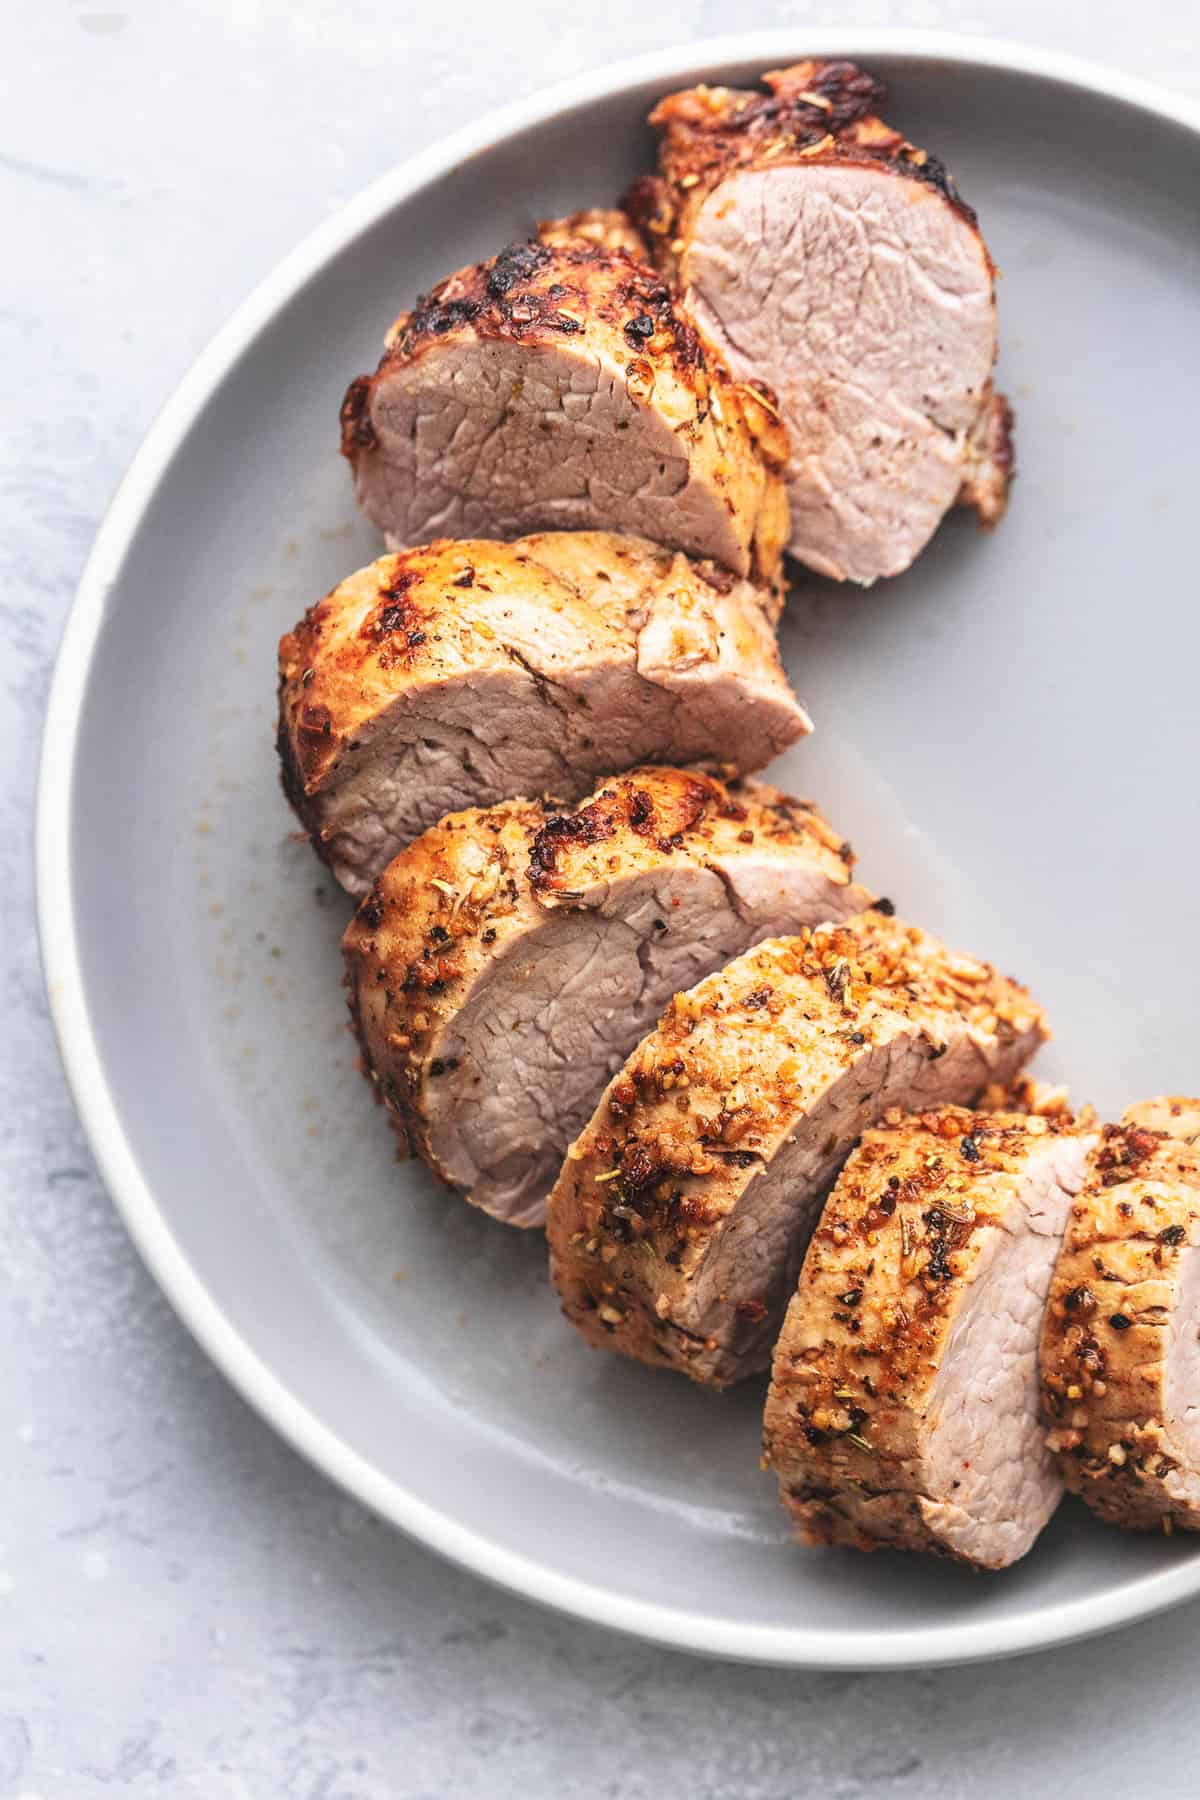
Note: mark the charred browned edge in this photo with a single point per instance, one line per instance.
(917, 165)
(305, 728)
(928, 1165)
(1003, 450)
(827, 111)
(358, 433)
(649, 307)
(395, 627)
(357, 952)
(528, 290)
(650, 203)
(1123, 1152)
(849, 92)
(625, 806)
(291, 776)
(564, 832)
(1083, 1324)
(809, 100)
(361, 954)
(988, 481)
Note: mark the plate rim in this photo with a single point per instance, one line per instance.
(794, 1646)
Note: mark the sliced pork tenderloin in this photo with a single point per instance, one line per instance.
(558, 386)
(682, 1214)
(1121, 1344)
(903, 1408)
(460, 674)
(820, 251)
(506, 963)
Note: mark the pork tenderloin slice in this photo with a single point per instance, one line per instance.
(903, 1408)
(682, 1214)
(464, 673)
(506, 963)
(1121, 1344)
(820, 251)
(560, 386)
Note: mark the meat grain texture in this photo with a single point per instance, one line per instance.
(822, 252)
(558, 386)
(903, 1409)
(682, 1214)
(504, 965)
(1121, 1345)
(463, 673)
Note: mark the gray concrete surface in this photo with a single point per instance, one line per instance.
(185, 1608)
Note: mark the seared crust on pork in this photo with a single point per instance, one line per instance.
(903, 1409)
(1120, 1357)
(682, 1213)
(810, 112)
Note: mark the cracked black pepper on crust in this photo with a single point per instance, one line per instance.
(919, 1300)
(812, 111)
(1119, 1363)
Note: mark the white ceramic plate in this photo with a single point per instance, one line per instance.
(1008, 733)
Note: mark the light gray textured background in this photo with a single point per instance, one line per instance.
(185, 1608)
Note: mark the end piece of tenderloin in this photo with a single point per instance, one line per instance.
(1121, 1344)
(559, 386)
(682, 1213)
(506, 963)
(903, 1409)
(464, 673)
(820, 251)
